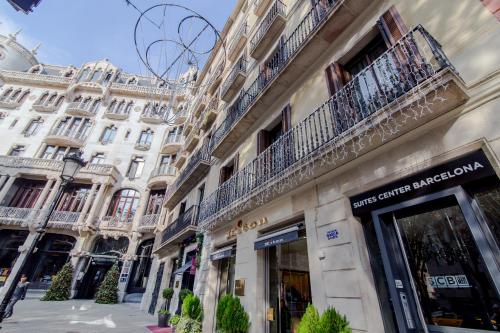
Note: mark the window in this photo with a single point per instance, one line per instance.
(166, 162)
(145, 138)
(98, 158)
(60, 153)
(127, 135)
(84, 74)
(33, 127)
(17, 150)
(129, 107)
(96, 75)
(73, 198)
(135, 168)
(95, 105)
(5, 94)
(27, 193)
(155, 202)
(13, 123)
(48, 153)
(124, 204)
(108, 135)
(228, 170)
(107, 77)
(265, 138)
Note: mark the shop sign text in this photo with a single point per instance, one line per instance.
(241, 227)
(448, 281)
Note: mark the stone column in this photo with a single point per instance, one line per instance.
(96, 204)
(3, 178)
(86, 206)
(41, 198)
(140, 210)
(8, 184)
(52, 194)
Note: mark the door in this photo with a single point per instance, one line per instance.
(93, 278)
(442, 271)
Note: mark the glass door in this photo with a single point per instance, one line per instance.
(441, 270)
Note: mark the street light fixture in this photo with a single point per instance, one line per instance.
(72, 164)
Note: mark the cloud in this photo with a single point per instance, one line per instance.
(47, 53)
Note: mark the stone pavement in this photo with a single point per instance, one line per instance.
(76, 316)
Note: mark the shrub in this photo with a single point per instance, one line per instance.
(108, 290)
(221, 308)
(164, 312)
(60, 289)
(310, 321)
(183, 293)
(191, 308)
(168, 293)
(234, 319)
(174, 320)
(188, 325)
(333, 322)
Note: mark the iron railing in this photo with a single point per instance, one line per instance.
(415, 58)
(239, 67)
(149, 221)
(88, 107)
(277, 8)
(164, 170)
(186, 219)
(237, 36)
(286, 51)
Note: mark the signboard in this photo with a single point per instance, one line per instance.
(459, 171)
(222, 253)
(448, 281)
(280, 238)
(241, 227)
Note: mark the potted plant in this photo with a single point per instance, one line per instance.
(164, 314)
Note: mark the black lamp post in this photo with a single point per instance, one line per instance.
(72, 164)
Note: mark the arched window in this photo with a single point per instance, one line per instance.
(84, 75)
(141, 268)
(23, 96)
(108, 134)
(6, 94)
(163, 110)
(77, 99)
(43, 98)
(69, 73)
(112, 106)
(124, 204)
(35, 70)
(96, 75)
(15, 95)
(95, 105)
(147, 109)
(120, 107)
(129, 107)
(86, 102)
(107, 77)
(59, 101)
(52, 98)
(145, 138)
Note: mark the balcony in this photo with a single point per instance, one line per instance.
(184, 226)
(216, 78)
(19, 217)
(46, 107)
(113, 223)
(116, 114)
(193, 173)
(199, 105)
(78, 109)
(181, 159)
(148, 223)
(162, 176)
(237, 43)
(66, 137)
(289, 62)
(181, 117)
(192, 140)
(9, 104)
(406, 87)
(142, 146)
(172, 144)
(153, 117)
(63, 220)
(210, 114)
(187, 128)
(260, 7)
(234, 81)
(36, 79)
(269, 30)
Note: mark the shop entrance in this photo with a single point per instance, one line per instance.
(288, 284)
(441, 261)
(96, 271)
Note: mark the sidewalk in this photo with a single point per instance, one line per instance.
(76, 316)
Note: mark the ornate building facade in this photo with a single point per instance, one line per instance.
(128, 128)
(345, 154)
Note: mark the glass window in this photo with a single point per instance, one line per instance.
(98, 158)
(17, 150)
(48, 152)
(108, 135)
(489, 201)
(27, 193)
(60, 153)
(135, 168)
(226, 276)
(73, 199)
(155, 202)
(145, 138)
(33, 127)
(124, 204)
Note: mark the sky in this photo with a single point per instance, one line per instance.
(78, 31)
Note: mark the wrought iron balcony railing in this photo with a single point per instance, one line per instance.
(63, 219)
(414, 62)
(276, 9)
(82, 108)
(17, 216)
(185, 220)
(287, 50)
(115, 222)
(237, 42)
(238, 69)
(148, 222)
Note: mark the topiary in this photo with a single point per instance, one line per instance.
(60, 289)
(108, 290)
(221, 308)
(234, 318)
(191, 308)
(333, 322)
(310, 321)
(168, 293)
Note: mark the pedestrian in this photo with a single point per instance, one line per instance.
(19, 293)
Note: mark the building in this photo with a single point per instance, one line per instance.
(126, 128)
(345, 153)
(25, 6)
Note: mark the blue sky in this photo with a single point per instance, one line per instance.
(78, 31)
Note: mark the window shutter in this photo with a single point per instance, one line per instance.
(262, 141)
(391, 26)
(286, 120)
(236, 162)
(336, 77)
(222, 175)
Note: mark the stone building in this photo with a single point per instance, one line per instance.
(346, 154)
(127, 126)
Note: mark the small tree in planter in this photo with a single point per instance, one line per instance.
(191, 315)
(330, 322)
(164, 314)
(231, 316)
(60, 289)
(108, 290)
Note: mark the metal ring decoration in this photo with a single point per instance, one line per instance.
(185, 46)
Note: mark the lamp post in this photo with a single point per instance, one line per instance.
(72, 164)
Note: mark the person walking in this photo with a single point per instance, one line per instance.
(19, 293)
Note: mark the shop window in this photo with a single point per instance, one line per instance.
(108, 135)
(136, 167)
(98, 158)
(17, 150)
(489, 202)
(33, 127)
(124, 204)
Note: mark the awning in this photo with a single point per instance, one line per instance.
(276, 238)
(183, 269)
(225, 252)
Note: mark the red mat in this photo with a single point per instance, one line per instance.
(156, 329)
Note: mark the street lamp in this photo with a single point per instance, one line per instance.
(72, 164)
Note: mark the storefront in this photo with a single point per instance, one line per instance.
(436, 236)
